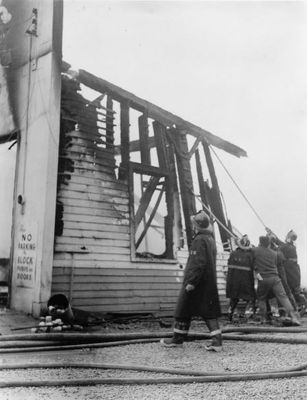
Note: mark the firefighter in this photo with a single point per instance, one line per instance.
(240, 277)
(292, 269)
(199, 294)
(265, 265)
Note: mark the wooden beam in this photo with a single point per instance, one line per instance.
(109, 124)
(124, 139)
(144, 139)
(151, 217)
(161, 143)
(135, 145)
(216, 202)
(201, 183)
(185, 181)
(145, 200)
(194, 147)
(157, 113)
(147, 169)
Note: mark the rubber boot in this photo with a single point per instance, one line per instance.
(232, 305)
(181, 330)
(294, 319)
(216, 334)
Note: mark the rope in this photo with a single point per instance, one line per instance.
(215, 218)
(237, 186)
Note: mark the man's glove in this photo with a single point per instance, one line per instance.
(189, 287)
(259, 277)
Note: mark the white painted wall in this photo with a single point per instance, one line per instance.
(36, 89)
(7, 172)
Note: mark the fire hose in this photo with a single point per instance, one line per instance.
(90, 340)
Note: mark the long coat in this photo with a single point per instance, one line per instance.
(200, 271)
(291, 266)
(240, 275)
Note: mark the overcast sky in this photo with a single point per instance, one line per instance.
(237, 69)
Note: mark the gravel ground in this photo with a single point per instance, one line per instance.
(236, 357)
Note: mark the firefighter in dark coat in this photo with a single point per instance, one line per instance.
(240, 277)
(292, 269)
(199, 294)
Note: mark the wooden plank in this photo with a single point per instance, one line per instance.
(135, 146)
(96, 178)
(99, 182)
(88, 188)
(94, 219)
(155, 112)
(216, 202)
(144, 139)
(174, 202)
(123, 289)
(145, 200)
(109, 124)
(202, 188)
(147, 169)
(94, 234)
(122, 280)
(93, 242)
(85, 211)
(93, 227)
(64, 192)
(164, 156)
(92, 257)
(150, 219)
(92, 250)
(160, 139)
(129, 308)
(124, 139)
(130, 301)
(86, 160)
(93, 205)
(194, 147)
(125, 273)
(81, 150)
(116, 264)
(79, 167)
(185, 181)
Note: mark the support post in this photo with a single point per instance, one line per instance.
(185, 180)
(124, 139)
(216, 202)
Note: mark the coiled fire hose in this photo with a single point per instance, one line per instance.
(92, 340)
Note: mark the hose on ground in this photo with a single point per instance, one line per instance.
(94, 337)
(146, 381)
(148, 338)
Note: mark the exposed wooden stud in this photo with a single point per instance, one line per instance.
(177, 235)
(201, 183)
(161, 144)
(151, 217)
(185, 181)
(164, 156)
(109, 124)
(144, 136)
(155, 112)
(216, 202)
(147, 169)
(135, 145)
(145, 200)
(124, 139)
(194, 147)
(131, 210)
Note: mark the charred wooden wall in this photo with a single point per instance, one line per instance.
(92, 260)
